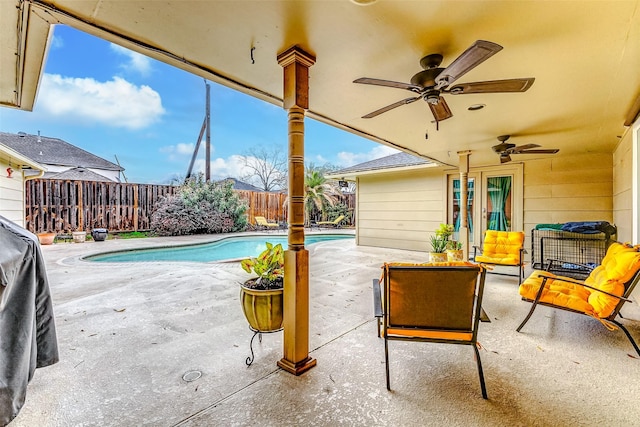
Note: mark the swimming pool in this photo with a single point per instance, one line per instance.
(224, 249)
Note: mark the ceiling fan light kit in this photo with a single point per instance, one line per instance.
(434, 81)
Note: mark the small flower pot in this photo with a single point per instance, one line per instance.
(46, 238)
(455, 255)
(79, 236)
(437, 257)
(99, 234)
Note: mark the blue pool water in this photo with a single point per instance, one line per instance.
(229, 248)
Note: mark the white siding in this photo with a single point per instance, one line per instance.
(12, 194)
(622, 188)
(400, 210)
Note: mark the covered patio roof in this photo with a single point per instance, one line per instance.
(584, 57)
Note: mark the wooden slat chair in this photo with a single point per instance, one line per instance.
(601, 295)
(503, 248)
(438, 302)
(266, 225)
(335, 223)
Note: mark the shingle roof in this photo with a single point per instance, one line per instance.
(77, 174)
(240, 185)
(389, 162)
(54, 151)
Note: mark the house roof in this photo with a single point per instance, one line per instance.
(12, 156)
(54, 151)
(240, 185)
(398, 160)
(77, 174)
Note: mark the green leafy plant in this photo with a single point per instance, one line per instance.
(454, 245)
(445, 231)
(438, 243)
(269, 266)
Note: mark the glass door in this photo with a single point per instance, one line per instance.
(454, 208)
(498, 209)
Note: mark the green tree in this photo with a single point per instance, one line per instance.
(319, 192)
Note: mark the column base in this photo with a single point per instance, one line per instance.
(297, 368)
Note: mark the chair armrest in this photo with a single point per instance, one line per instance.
(377, 299)
(475, 251)
(579, 283)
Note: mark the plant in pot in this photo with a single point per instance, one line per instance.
(261, 296)
(438, 247)
(454, 251)
(440, 243)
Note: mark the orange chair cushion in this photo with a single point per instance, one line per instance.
(618, 267)
(501, 247)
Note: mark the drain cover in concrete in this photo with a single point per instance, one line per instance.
(190, 376)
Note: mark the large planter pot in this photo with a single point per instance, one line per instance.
(79, 236)
(437, 257)
(455, 255)
(46, 238)
(99, 234)
(262, 308)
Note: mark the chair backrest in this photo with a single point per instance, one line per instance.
(337, 220)
(434, 298)
(260, 220)
(503, 244)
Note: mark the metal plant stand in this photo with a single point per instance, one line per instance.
(250, 359)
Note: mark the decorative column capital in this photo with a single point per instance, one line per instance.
(296, 63)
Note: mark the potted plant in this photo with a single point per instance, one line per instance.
(440, 243)
(454, 251)
(262, 296)
(438, 247)
(79, 236)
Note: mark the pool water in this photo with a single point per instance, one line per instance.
(229, 248)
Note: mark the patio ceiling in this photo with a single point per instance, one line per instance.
(585, 57)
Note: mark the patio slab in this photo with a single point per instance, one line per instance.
(128, 333)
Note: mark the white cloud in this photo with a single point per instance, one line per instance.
(232, 166)
(56, 42)
(116, 103)
(136, 61)
(179, 151)
(346, 158)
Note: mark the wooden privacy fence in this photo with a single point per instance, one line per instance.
(63, 206)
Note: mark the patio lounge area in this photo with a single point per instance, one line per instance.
(133, 337)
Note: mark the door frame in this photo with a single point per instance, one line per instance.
(480, 175)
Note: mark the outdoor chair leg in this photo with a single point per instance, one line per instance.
(626, 332)
(386, 362)
(526, 319)
(479, 363)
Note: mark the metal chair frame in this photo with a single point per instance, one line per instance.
(420, 333)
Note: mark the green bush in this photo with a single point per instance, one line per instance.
(200, 207)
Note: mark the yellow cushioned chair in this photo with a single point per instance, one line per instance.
(601, 295)
(439, 302)
(505, 248)
(264, 224)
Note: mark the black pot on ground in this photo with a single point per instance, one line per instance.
(99, 234)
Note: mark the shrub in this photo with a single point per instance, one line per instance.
(200, 207)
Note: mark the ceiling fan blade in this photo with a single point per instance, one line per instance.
(494, 86)
(504, 158)
(440, 110)
(479, 52)
(391, 107)
(543, 151)
(524, 147)
(388, 83)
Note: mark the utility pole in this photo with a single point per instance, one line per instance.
(206, 125)
(208, 148)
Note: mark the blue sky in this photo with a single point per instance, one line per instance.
(114, 102)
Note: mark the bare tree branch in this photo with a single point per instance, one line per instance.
(267, 166)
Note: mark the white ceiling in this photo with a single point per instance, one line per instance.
(585, 57)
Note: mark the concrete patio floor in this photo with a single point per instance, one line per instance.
(128, 333)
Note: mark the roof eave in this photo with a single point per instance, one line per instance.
(14, 157)
(351, 176)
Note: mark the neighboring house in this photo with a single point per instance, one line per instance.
(61, 159)
(240, 185)
(401, 199)
(15, 169)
